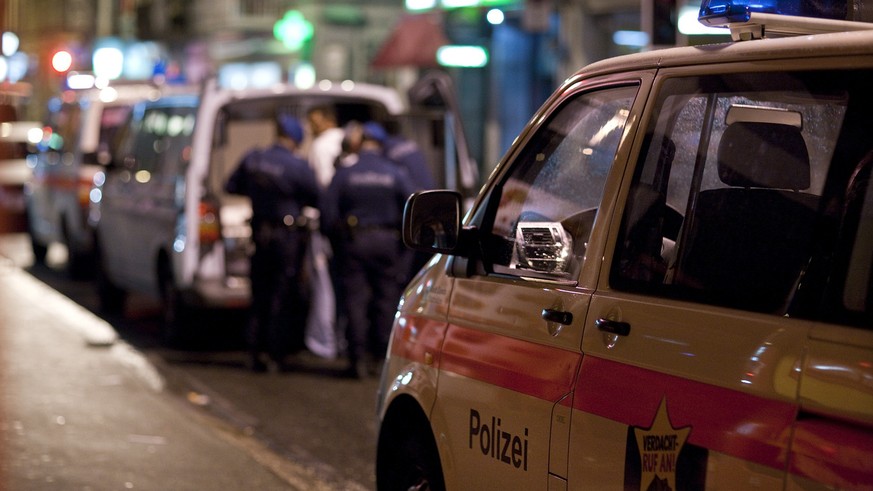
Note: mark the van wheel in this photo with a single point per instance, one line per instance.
(408, 460)
(176, 313)
(40, 251)
(78, 262)
(111, 297)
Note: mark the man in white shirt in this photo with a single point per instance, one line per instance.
(327, 144)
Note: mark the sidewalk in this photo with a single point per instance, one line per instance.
(82, 410)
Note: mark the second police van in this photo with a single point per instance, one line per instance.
(667, 282)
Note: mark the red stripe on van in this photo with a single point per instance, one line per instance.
(833, 452)
(540, 371)
(414, 338)
(744, 426)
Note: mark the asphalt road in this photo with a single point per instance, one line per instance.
(308, 415)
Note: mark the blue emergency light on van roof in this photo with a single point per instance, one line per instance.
(723, 12)
(756, 19)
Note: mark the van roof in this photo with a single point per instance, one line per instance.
(386, 96)
(857, 43)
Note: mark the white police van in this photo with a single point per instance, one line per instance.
(164, 224)
(77, 137)
(667, 282)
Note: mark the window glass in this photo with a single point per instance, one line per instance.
(735, 195)
(548, 200)
(176, 141)
(162, 142)
(64, 124)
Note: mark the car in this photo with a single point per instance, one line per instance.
(16, 142)
(664, 284)
(17, 139)
(165, 226)
(75, 146)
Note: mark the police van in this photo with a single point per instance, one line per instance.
(164, 225)
(77, 136)
(667, 282)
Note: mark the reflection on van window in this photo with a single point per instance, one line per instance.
(549, 199)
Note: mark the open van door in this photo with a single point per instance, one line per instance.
(435, 124)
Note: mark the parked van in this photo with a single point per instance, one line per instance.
(77, 136)
(164, 224)
(667, 282)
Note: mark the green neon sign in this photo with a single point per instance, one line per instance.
(421, 5)
(293, 30)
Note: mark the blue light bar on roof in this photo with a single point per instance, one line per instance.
(723, 12)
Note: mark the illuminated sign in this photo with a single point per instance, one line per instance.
(293, 30)
(418, 5)
(462, 56)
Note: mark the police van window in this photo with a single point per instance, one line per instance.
(112, 122)
(147, 144)
(160, 142)
(725, 200)
(176, 140)
(548, 200)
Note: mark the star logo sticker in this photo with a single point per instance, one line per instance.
(659, 447)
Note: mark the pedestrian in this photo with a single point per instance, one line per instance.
(280, 184)
(362, 211)
(327, 141)
(324, 150)
(407, 154)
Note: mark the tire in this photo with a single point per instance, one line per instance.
(176, 315)
(110, 297)
(40, 251)
(408, 459)
(80, 264)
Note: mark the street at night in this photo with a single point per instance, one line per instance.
(97, 403)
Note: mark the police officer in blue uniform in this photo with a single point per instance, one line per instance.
(279, 184)
(362, 212)
(408, 155)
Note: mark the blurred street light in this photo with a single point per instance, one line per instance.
(62, 61)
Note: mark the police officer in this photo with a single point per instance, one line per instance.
(362, 212)
(279, 184)
(408, 155)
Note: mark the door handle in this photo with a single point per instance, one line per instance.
(615, 327)
(559, 316)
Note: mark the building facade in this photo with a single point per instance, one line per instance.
(536, 45)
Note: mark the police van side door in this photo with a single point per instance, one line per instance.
(117, 203)
(511, 352)
(692, 359)
(833, 436)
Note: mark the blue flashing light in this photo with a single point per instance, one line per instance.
(723, 12)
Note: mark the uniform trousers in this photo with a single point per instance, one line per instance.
(371, 264)
(279, 307)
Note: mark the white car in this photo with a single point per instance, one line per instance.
(667, 282)
(75, 146)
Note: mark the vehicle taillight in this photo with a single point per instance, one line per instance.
(210, 228)
(83, 193)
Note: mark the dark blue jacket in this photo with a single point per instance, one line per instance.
(407, 154)
(373, 191)
(278, 182)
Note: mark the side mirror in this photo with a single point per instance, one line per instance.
(432, 221)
